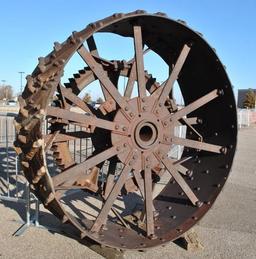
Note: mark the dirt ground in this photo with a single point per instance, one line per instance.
(227, 231)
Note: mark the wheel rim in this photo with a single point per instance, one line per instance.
(136, 132)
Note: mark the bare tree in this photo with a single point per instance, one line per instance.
(99, 100)
(87, 98)
(6, 92)
(250, 99)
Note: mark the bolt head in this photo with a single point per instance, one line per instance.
(199, 204)
(199, 121)
(134, 157)
(152, 236)
(220, 92)
(223, 150)
(189, 173)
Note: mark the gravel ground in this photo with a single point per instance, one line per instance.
(227, 231)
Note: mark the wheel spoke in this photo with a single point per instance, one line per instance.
(109, 186)
(83, 119)
(92, 46)
(189, 121)
(94, 51)
(174, 74)
(177, 164)
(197, 145)
(182, 169)
(131, 61)
(138, 46)
(102, 76)
(75, 172)
(65, 136)
(67, 93)
(194, 105)
(131, 81)
(185, 121)
(177, 177)
(140, 183)
(149, 201)
(112, 196)
(133, 77)
(110, 178)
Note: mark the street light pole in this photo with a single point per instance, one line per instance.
(21, 76)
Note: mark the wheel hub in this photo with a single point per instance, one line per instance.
(146, 132)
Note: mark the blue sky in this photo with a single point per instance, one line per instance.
(29, 28)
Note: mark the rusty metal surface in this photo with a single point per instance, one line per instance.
(133, 134)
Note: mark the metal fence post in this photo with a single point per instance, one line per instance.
(7, 157)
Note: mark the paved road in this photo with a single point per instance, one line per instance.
(227, 231)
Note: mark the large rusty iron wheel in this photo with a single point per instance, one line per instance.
(112, 194)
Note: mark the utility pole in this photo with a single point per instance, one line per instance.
(21, 76)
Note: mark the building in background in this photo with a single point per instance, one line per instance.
(241, 96)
